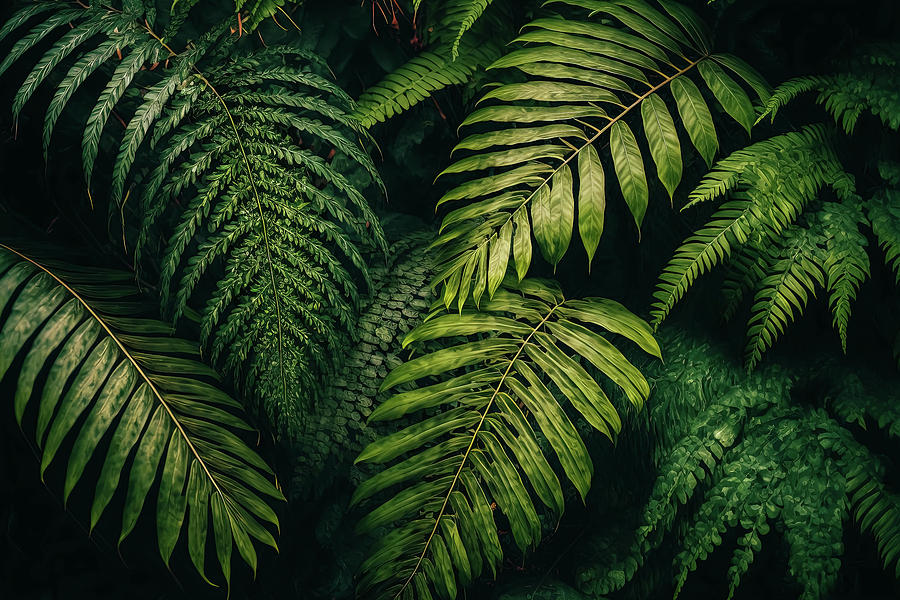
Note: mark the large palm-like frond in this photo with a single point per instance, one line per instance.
(88, 369)
(524, 354)
(536, 166)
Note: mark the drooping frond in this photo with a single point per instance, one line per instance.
(91, 370)
(846, 262)
(481, 447)
(541, 145)
(259, 152)
(769, 185)
(248, 161)
(792, 277)
(462, 14)
(869, 84)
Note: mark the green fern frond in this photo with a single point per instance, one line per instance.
(770, 184)
(792, 277)
(868, 84)
(462, 14)
(419, 79)
(846, 260)
(745, 270)
(519, 348)
(274, 212)
(448, 59)
(583, 82)
(112, 375)
(875, 507)
(782, 467)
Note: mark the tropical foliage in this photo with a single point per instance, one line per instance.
(85, 353)
(755, 454)
(782, 235)
(332, 241)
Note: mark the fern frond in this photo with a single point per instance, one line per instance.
(274, 212)
(448, 59)
(793, 275)
(462, 14)
(520, 342)
(846, 260)
(868, 84)
(770, 183)
(883, 211)
(783, 467)
(112, 375)
(586, 80)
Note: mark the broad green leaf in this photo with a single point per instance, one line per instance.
(591, 199)
(696, 118)
(553, 215)
(729, 94)
(663, 140)
(629, 170)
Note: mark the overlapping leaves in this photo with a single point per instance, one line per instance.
(255, 146)
(125, 393)
(498, 393)
(756, 456)
(237, 160)
(537, 164)
(456, 49)
(773, 250)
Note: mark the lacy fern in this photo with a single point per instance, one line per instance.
(90, 366)
(583, 79)
(749, 453)
(521, 357)
(267, 203)
(869, 84)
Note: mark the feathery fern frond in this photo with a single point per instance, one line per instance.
(753, 458)
(583, 81)
(448, 59)
(846, 263)
(484, 443)
(97, 36)
(253, 147)
(770, 184)
(250, 141)
(86, 355)
(869, 84)
(418, 79)
(463, 14)
(792, 276)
